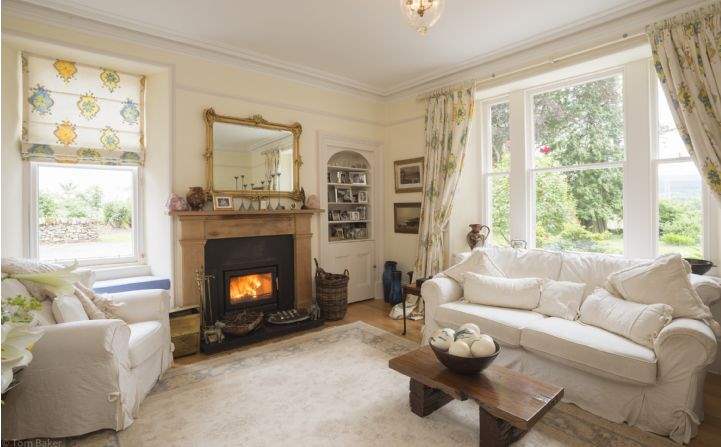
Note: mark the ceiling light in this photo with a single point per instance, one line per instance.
(422, 14)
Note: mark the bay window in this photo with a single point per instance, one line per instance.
(594, 164)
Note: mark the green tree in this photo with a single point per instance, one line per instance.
(117, 214)
(47, 206)
(579, 125)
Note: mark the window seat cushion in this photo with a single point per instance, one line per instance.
(132, 283)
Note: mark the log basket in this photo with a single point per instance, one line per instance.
(331, 292)
(242, 323)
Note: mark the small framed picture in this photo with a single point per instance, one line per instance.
(344, 215)
(362, 196)
(358, 178)
(222, 203)
(344, 195)
(355, 215)
(409, 175)
(407, 217)
(362, 212)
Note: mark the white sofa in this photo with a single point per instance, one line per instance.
(93, 374)
(658, 390)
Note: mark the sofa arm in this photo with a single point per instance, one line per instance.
(683, 346)
(142, 305)
(79, 342)
(78, 381)
(437, 291)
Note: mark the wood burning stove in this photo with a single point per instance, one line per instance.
(255, 288)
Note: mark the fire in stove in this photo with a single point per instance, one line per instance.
(253, 287)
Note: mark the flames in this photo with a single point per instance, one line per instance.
(250, 287)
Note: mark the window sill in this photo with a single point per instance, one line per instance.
(116, 271)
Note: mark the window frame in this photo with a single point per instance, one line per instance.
(640, 134)
(656, 162)
(137, 218)
(487, 172)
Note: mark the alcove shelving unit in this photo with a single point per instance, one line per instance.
(349, 198)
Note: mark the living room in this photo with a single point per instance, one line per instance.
(253, 223)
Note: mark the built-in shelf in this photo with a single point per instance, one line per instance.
(344, 168)
(348, 190)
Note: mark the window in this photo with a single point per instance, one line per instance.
(83, 132)
(578, 153)
(85, 213)
(679, 213)
(497, 179)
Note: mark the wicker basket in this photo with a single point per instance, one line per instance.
(242, 323)
(331, 292)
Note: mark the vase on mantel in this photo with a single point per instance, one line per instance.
(196, 198)
(388, 268)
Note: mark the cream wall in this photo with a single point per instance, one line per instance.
(193, 84)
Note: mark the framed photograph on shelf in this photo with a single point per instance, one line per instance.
(222, 202)
(358, 178)
(362, 212)
(343, 195)
(362, 196)
(409, 174)
(355, 215)
(407, 217)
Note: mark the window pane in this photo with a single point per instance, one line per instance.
(84, 213)
(580, 210)
(679, 209)
(580, 124)
(500, 138)
(670, 144)
(500, 210)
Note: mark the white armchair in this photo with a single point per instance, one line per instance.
(92, 375)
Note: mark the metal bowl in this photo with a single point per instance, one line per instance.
(465, 365)
(699, 266)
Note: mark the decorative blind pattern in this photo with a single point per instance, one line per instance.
(74, 113)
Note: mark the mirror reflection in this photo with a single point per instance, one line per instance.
(251, 158)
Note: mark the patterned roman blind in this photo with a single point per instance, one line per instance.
(75, 113)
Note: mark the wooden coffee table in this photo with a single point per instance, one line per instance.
(509, 403)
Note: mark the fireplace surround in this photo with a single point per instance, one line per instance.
(288, 263)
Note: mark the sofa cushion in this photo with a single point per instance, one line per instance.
(592, 268)
(478, 262)
(516, 293)
(638, 322)
(500, 323)
(517, 263)
(145, 340)
(665, 280)
(590, 349)
(67, 308)
(560, 299)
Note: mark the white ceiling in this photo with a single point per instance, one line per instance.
(362, 44)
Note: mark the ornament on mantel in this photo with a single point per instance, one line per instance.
(175, 203)
(313, 202)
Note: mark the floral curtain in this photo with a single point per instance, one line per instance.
(687, 56)
(75, 113)
(448, 118)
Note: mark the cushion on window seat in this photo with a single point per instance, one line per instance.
(503, 324)
(145, 339)
(132, 283)
(591, 349)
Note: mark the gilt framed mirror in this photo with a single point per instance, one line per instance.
(252, 157)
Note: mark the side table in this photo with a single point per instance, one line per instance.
(409, 289)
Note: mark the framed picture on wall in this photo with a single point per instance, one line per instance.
(409, 174)
(407, 217)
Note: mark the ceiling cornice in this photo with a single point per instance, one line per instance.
(607, 26)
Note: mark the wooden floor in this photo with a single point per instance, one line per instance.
(375, 312)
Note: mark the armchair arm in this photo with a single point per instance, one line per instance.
(439, 290)
(79, 342)
(682, 346)
(142, 305)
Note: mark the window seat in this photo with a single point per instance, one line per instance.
(131, 283)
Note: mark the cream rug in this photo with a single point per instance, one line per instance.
(328, 388)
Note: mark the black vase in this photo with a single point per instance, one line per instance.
(388, 268)
(396, 294)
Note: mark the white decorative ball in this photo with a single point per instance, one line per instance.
(483, 347)
(470, 327)
(467, 336)
(442, 339)
(459, 349)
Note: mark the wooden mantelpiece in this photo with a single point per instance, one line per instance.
(195, 228)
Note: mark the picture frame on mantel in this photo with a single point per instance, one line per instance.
(408, 174)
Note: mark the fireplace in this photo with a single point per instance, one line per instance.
(250, 288)
(249, 273)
